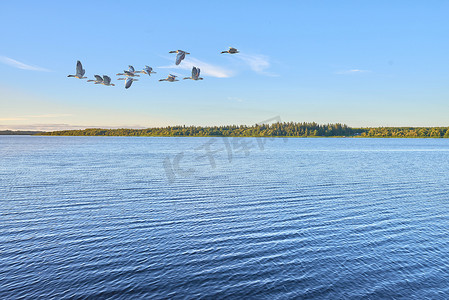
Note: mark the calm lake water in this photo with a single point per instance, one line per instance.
(190, 218)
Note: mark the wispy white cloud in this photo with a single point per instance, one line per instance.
(352, 71)
(13, 119)
(50, 116)
(20, 65)
(207, 69)
(257, 62)
(28, 117)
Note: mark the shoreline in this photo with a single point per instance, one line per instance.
(273, 130)
(218, 136)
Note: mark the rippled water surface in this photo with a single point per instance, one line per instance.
(189, 218)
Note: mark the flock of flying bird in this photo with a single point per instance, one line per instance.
(131, 72)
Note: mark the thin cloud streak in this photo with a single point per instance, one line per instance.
(21, 118)
(353, 71)
(13, 119)
(20, 65)
(50, 116)
(207, 69)
(257, 62)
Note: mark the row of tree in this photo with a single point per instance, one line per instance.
(407, 132)
(289, 129)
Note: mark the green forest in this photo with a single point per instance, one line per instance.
(286, 129)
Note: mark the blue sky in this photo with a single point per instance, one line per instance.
(362, 63)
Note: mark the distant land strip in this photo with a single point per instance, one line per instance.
(19, 132)
(286, 129)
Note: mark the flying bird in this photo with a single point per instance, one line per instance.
(129, 73)
(128, 81)
(231, 50)
(98, 79)
(181, 55)
(147, 70)
(107, 81)
(170, 78)
(79, 71)
(131, 69)
(195, 74)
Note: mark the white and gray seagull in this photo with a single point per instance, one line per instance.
(79, 71)
(98, 79)
(181, 55)
(170, 78)
(231, 50)
(195, 74)
(128, 81)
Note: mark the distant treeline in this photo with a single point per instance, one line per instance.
(275, 129)
(289, 129)
(18, 132)
(407, 132)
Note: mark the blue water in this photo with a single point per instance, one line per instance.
(192, 218)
